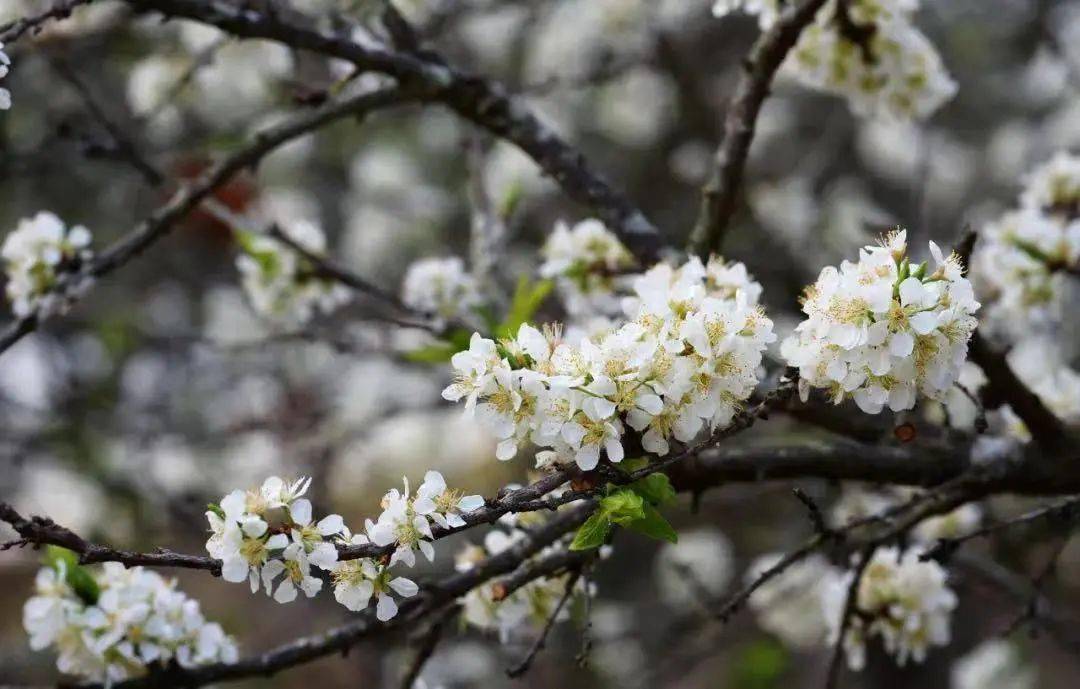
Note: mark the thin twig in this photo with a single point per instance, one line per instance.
(426, 647)
(522, 667)
(188, 198)
(720, 192)
(13, 31)
(122, 146)
(484, 102)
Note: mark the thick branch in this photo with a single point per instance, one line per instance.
(1003, 387)
(340, 639)
(718, 196)
(484, 102)
(43, 531)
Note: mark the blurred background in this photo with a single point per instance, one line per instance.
(163, 390)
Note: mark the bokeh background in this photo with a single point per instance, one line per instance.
(162, 390)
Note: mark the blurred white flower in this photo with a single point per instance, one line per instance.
(701, 562)
(5, 95)
(441, 287)
(895, 74)
(901, 599)
(789, 605)
(136, 621)
(994, 664)
(37, 255)
(280, 284)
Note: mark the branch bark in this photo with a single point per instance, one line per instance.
(187, 199)
(484, 102)
(720, 192)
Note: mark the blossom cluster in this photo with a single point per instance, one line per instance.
(883, 330)
(269, 538)
(1021, 257)
(901, 599)
(489, 608)
(867, 51)
(36, 254)
(282, 285)
(5, 63)
(688, 357)
(443, 288)
(588, 263)
(129, 621)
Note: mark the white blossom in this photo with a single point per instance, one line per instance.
(525, 610)
(1018, 259)
(893, 73)
(261, 534)
(993, 664)
(280, 284)
(587, 262)
(789, 604)
(687, 359)
(443, 288)
(137, 620)
(37, 255)
(406, 519)
(883, 330)
(442, 505)
(901, 599)
(357, 581)
(5, 64)
(701, 562)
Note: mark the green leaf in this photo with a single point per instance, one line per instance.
(78, 578)
(632, 464)
(437, 353)
(760, 665)
(459, 338)
(592, 533)
(216, 509)
(528, 298)
(654, 525)
(510, 200)
(623, 506)
(655, 488)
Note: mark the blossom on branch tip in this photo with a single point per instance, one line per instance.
(261, 534)
(405, 518)
(883, 330)
(42, 258)
(443, 288)
(901, 599)
(686, 358)
(868, 51)
(282, 285)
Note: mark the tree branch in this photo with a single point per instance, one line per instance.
(13, 31)
(484, 102)
(766, 56)
(166, 217)
(42, 530)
